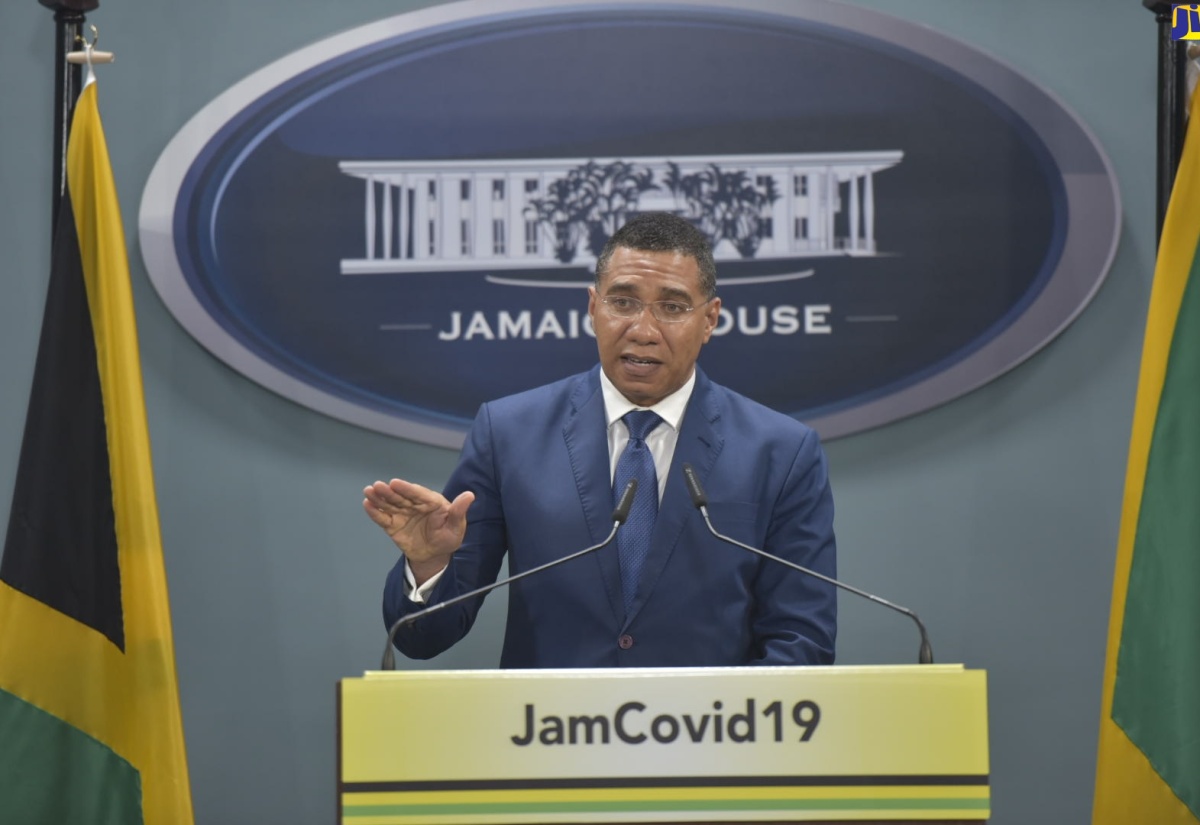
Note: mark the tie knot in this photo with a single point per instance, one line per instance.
(641, 423)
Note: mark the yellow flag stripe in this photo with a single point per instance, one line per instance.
(155, 743)
(75, 673)
(1128, 789)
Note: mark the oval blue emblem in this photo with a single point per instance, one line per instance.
(398, 223)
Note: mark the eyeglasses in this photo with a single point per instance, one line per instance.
(666, 312)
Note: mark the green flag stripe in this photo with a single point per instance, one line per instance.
(66, 562)
(1158, 663)
(53, 772)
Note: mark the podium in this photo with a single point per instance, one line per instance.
(772, 744)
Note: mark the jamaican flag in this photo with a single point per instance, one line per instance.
(89, 705)
(1149, 761)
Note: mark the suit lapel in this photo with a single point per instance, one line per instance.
(586, 437)
(699, 444)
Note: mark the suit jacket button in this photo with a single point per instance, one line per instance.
(625, 642)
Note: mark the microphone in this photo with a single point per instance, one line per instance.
(700, 502)
(619, 514)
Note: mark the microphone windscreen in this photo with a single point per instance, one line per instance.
(622, 510)
(694, 489)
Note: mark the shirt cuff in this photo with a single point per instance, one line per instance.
(416, 594)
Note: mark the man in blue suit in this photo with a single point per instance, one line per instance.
(536, 482)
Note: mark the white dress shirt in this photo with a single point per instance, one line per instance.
(660, 441)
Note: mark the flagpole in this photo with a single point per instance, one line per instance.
(1172, 103)
(69, 16)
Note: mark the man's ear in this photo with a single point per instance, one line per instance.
(712, 314)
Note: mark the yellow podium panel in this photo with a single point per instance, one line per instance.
(664, 745)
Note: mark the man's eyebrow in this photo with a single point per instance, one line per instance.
(625, 287)
(674, 292)
(666, 293)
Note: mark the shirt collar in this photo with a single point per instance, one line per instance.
(670, 409)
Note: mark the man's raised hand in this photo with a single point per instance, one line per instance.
(422, 522)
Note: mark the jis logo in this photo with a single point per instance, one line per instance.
(399, 222)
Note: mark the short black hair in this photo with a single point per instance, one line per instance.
(663, 232)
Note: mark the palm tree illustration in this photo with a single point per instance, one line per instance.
(591, 202)
(563, 212)
(724, 204)
(615, 190)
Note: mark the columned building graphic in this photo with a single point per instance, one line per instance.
(455, 214)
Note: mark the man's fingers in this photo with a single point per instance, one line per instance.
(375, 513)
(417, 513)
(398, 496)
(406, 489)
(374, 494)
(406, 494)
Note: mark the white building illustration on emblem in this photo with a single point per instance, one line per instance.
(542, 213)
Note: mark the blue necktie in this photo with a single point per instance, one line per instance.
(633, 541)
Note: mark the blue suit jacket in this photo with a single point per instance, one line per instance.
(538, 464)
